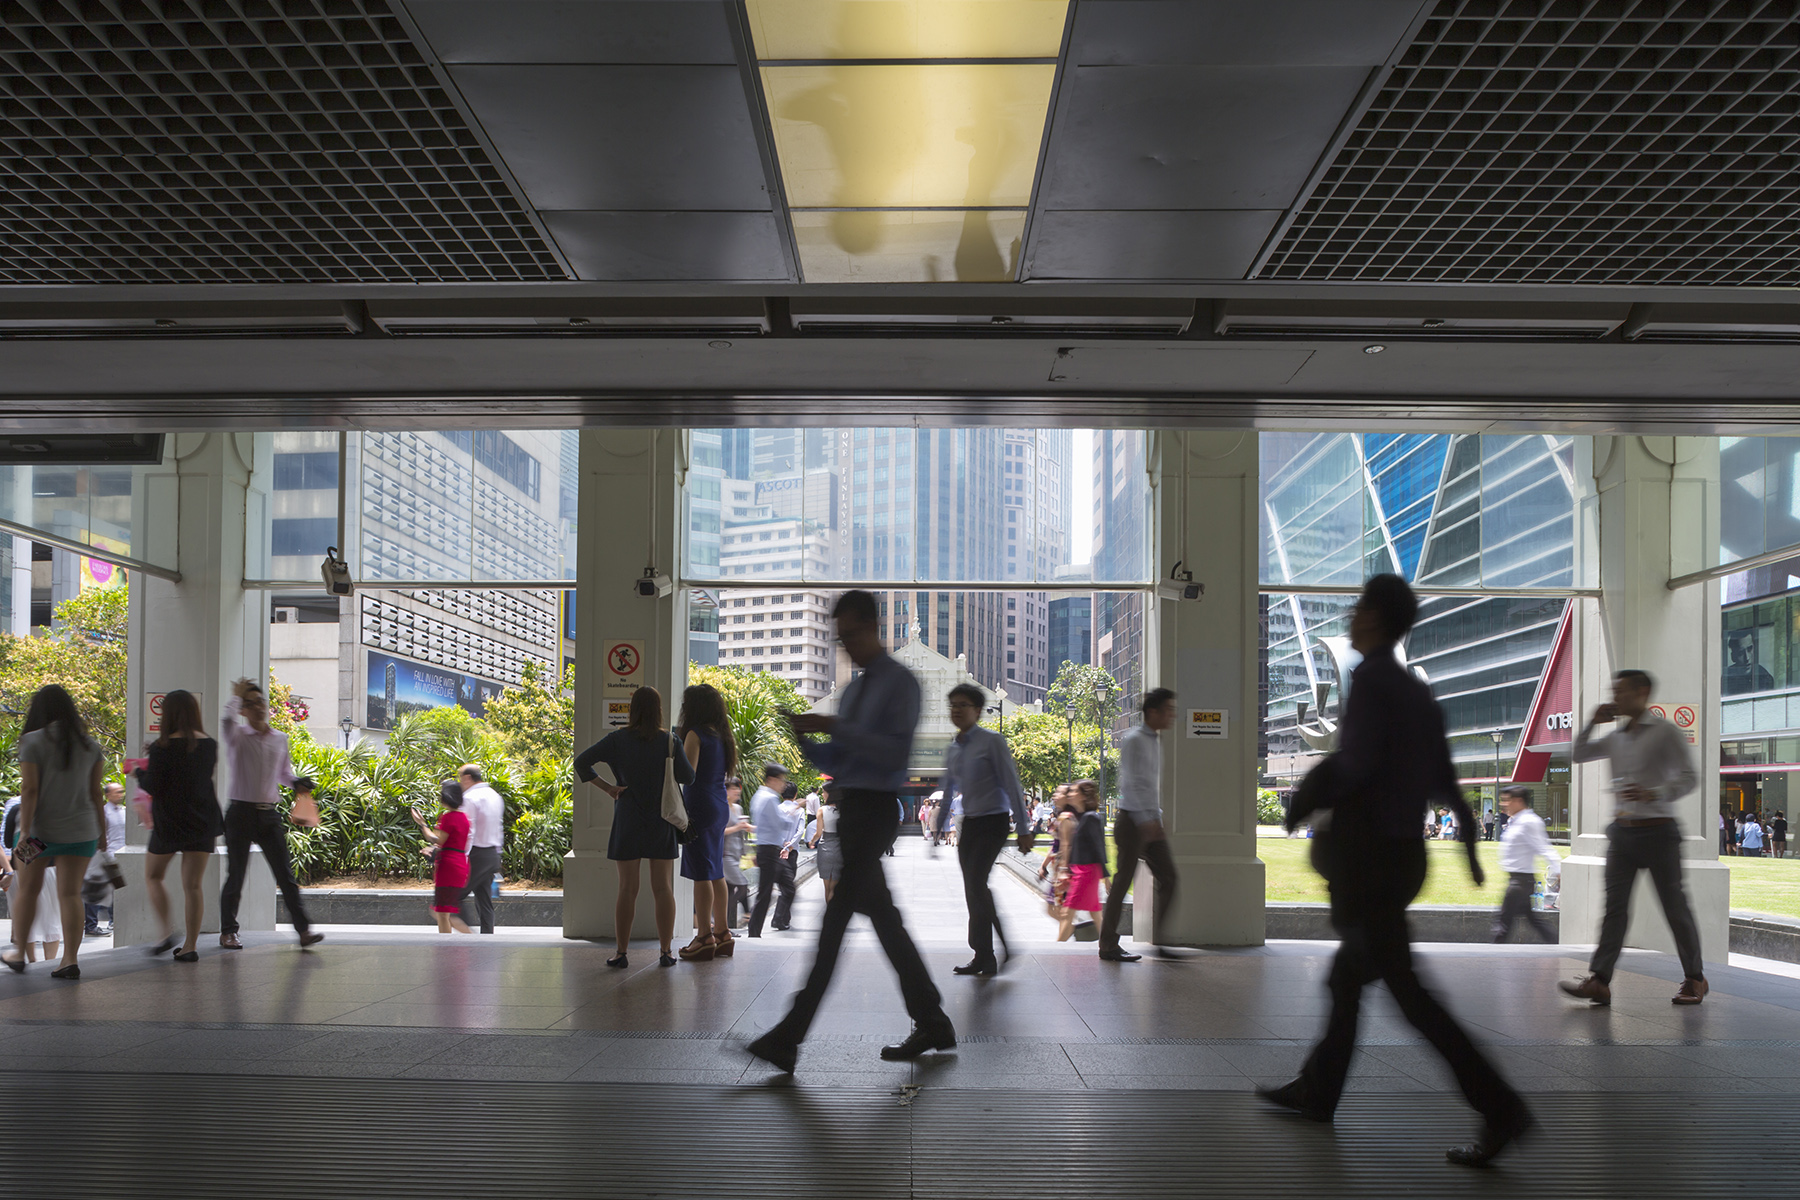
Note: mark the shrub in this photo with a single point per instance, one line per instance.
(1269, 810)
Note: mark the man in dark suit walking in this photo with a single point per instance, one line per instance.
(1392, 762)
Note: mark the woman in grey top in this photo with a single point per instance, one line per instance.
(737, 886)
(61, 818)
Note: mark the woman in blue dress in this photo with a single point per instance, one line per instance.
(706, 736)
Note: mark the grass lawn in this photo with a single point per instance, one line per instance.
(1768, 885)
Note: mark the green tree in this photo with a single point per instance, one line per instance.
(1078, 683)
(754, 702)
(84, 651)
(536, 718)
(1040, 747)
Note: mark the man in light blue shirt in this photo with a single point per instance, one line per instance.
(774, 863)
(870, 741)
(979, 768)
(1138, 829)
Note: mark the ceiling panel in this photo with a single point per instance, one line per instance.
(241, 142)
(1645, 144)
(1192, 137)
(1240, 32)
(1147, 245)
(929, 246)
(675, 246)
(575, 31)
(629, 137)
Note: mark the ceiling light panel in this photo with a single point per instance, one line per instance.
(908, 131)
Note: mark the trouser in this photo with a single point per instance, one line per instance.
(1751, 851)
(1724, 841)
(979, 848)
(478, 905)
(1656, 849)
(1369, 896)
(1129, 847)
(737, 900)
(867, 823)
(773, 870)
(1515, 906)
(259, 823)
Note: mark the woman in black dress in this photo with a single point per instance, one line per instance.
(637, 756)
(184, 815)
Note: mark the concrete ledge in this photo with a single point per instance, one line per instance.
(376, 906)
(1429, 922)
(1765, 936)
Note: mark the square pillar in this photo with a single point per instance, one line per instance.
(1648, 511)
(1205, 513)
(206, 511)
(631, 516)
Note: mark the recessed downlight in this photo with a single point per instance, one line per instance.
(1375, 349)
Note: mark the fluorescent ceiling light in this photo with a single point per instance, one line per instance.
(810, 29)
(875, 105)
(900, 246)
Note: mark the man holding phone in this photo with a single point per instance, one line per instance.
(869, 743)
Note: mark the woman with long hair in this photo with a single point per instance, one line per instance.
(636, 755)
(447, 842)
(830, 856)
(61, 818)
(184, 817)
(1087, 854)
(711, 751)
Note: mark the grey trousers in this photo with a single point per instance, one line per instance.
(478, 905)
(1656, 849)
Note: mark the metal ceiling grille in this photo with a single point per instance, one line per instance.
(241, 141)
(1571, 141)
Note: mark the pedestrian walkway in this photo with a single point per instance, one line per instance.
(539, 1064)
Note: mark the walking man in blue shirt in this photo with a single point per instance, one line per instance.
(978, 765)
(868, 747)
(1138, 828)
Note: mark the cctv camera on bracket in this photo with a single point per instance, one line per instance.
(654, 585)
(336, 573)
(1180, 585)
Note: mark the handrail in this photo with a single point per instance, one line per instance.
(18, 529)
(1767, 558)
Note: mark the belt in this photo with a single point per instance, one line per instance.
(255, 803)
(1640, 822)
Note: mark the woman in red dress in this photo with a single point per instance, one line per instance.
(450, 851)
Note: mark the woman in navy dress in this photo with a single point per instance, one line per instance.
(706, 736)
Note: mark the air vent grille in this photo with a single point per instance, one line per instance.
(241, 141)
(1619, 142)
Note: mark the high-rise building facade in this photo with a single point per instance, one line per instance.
(1120, 516)
(1071, 632)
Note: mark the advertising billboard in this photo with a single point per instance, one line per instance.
(398, 687)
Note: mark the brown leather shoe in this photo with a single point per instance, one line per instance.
(1589, 988)
(310, 939)
(230, 941)
(1693, 991)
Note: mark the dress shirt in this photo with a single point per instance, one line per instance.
(259, 761)
(1524, 842)
(978, 764)
(1753, 836)
(871, 741)
(115, 826)
(1140, 774)
(487, 816)
(795, 813)
(1648, 753)
(1393, 761)
(771, 820)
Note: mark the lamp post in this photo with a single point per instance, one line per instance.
(1497, 736)
(998, 708)
(1069, 715)
(1100, 707)
(349, 727)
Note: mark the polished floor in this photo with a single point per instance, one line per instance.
(376, 1021)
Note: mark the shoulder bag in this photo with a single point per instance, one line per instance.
(674, 811)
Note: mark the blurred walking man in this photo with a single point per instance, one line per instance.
(1138, 828)
(979, 767)
(870, 743)
(1651, 771)
(487, 837)
(1521, 845)
(1392, 762)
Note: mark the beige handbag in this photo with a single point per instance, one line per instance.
(674, 811)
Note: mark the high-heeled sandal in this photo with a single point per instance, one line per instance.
(723, 944)
(701, 949)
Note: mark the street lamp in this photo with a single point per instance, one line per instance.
(1497, 736)
(348, 726)
(1100, 695)
(1069, 715)
(998, 708)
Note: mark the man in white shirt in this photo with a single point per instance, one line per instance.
(1651, 770)
(1524, 841)
(774, 832)
(487, 836)
(1138, 829)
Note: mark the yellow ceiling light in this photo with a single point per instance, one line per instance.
(899, 165)
(811, 29)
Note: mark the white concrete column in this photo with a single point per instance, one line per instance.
(204, 511)
(1649, 511)
(630, 518)
(1205, 513)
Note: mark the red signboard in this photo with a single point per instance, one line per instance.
(1550, 723)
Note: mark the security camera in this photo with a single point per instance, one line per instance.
(1180, 585)
(654, 584)
(336, 573)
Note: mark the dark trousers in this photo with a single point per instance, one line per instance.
(478, 905)
(1369, 895)
(1656, 849)
(1129, 847)
(773, 870)
(976, 852)
(246, 823)
(737, 900)
(867, 825)
(1515, 906)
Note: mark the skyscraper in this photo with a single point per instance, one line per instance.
(1120, 532)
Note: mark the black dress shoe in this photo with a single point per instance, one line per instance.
(777, 1052)
(977, 967)
(1495, 1137)
(1119, 956)
(924, 1037)
(1293, 1097)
